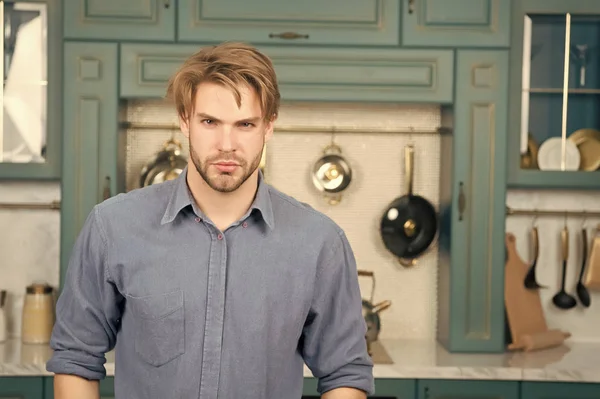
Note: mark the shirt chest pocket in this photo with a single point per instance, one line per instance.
(159, 327)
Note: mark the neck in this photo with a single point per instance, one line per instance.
(222, 209)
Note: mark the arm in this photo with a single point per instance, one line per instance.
(344, 393)
(333, 340)
(87, 314)
(74, 387)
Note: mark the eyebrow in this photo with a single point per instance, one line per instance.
(202, 115)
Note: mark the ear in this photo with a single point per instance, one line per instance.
(184, 127)
(269, 128)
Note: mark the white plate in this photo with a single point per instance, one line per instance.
(550, 155)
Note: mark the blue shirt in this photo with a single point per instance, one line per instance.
(193, 312)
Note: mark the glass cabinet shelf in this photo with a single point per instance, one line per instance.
(560, 94)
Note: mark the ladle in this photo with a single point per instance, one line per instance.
(530, 279)
(561, 299)
(582, 292)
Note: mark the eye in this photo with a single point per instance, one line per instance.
(247, 124)
(207, 122)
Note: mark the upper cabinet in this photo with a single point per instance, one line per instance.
(456, 23)
(339, 22)
(309, 73)
(31, 70)
(554, 127)
(144, 20)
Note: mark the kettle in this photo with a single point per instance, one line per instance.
(38, 314)
(371, 312)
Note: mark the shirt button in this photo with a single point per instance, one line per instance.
(220, 236)
(245, 224)
(198, 220)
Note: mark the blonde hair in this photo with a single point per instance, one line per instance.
(231, 64)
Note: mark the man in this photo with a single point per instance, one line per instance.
(215, 284)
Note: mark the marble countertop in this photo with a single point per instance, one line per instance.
(573, 361)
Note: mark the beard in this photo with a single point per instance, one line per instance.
(225, 182)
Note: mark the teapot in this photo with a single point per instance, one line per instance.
(371, 312)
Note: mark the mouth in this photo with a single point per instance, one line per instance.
(226, 167)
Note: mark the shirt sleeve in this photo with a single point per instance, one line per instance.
(88, 309)
(333, 341)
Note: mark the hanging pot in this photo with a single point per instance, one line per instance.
(166, 165)
(410, 222)
(371, 312)
(332, 174)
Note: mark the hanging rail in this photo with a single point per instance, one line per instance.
(300, 129)
(54, 205)
(522, 212)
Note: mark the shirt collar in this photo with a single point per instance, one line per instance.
(181, 198)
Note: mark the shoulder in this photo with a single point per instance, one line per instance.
(301, 218)
(148, 202)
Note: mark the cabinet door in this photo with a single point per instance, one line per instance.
(460, 389)
(559, 390)
(472, 199)
(340, 22)
(385, 388)
(540, 93)
(89, 167)
(144, 20)
(319, 74)
(30, 130)
(456, 23)
(21, 387)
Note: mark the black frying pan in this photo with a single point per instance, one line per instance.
(410, 222)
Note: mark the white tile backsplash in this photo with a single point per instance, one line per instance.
(378, 177)
(29, 243)
(582, 323)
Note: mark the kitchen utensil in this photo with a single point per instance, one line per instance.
(166, 165)
(562, 299)
(410, 223)
(542, 340)
(588, 144)
(529, 158)
(582, 292)
(592, 275)
(526, 321)
(580, 56)
(549, 155)
(530, 279)
(331, 173)
(38, 314)
(371, 312)
(3, 326)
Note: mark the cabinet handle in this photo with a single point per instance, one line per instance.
(106, 191)
(167, 3)
(462, 201)
(288, 35)
(411, 6)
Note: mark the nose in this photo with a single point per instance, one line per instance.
(226, 139)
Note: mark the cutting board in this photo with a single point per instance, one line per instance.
(524, 310)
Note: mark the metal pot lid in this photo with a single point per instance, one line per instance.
(332, 173)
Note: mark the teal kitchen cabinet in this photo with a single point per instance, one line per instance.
(32, 33)
(141, 20)
(21, 388)
(456, 23)
(385, 388)
(319, 74)
(90, 140)
(537, 81)
(559, 390)
(461, 389)
(472, 207)
(334, 22)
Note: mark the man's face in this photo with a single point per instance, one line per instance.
(226, 142)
